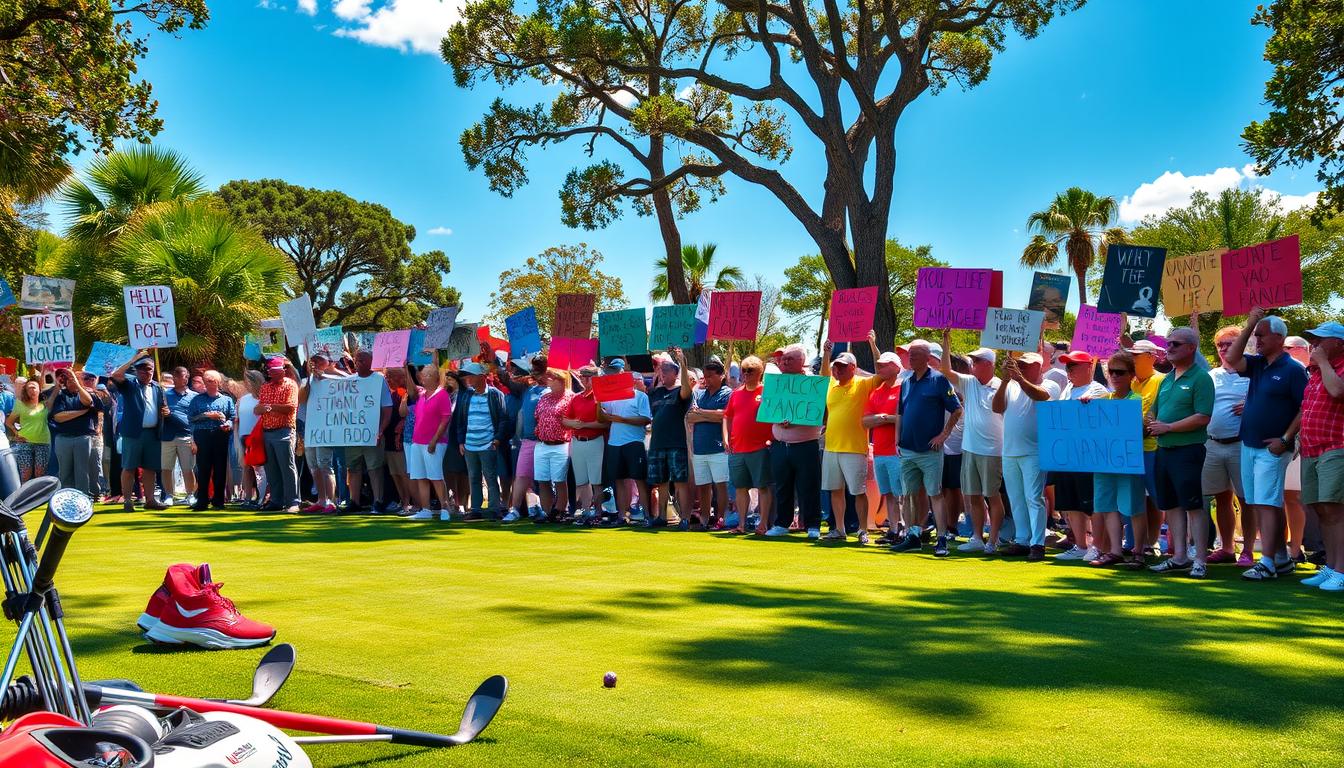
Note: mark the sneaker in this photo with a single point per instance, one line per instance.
(1076, 553)
(974, 545)
(661, 522)
(330, 509)
(406, 511)
(863, 538)
(777, 530)
(940, 548)
(1015, 550)
(313, 509)
(511, 517)
(1199, 570)
(424, 514)
(814, 533)
(1245, 560)
(1036, 553)
(1169, 566)
(1092, 554)
(444, 516)
(1320, 578)
(190, 501)
(1285, 568)
(161, 597)
(991, 548)
(912, 543)
(1106, 560)
(393, 508)
(834, 535)
(1333, 584)
(378, 508)
(1220, 556)
(292, 509)
(1259, 572)
(198, 614)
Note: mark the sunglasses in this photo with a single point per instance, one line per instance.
(1119, 372)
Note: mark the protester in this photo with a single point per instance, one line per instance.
(1118, 498)
(1075, 491)
(1016, 401)
(1322, 445)
(709, 457)
(748, 444)
(1223, 454)
(587, 446)
(550, 458)
(393, 442)
(429, 416)
(795, 462)
(277, 405)
(844, 461)
(480, 426)
(455, 478)
(254, 481)
(982, 444)
(320, 458)
(625, 456)
(668, 460)
(73, 415)
(143, 405)
(211, 414)
(929, 411)
(373, 458)
(526, 392)
(27, 424)
(97, 473)
(175, 437)
(881, 419)
(1180, 416)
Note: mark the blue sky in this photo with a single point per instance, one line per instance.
(1140, 99)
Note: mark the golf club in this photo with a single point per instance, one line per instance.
(270, 676)
(479, 711)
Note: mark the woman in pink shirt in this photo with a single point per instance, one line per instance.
(550, 459)
(429, 436)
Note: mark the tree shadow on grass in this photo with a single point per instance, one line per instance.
(945, 649)
(286, 529)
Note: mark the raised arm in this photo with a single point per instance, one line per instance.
(1236, 356)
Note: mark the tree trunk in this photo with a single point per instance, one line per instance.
(667, 226)
(821, 326)
(870, 268)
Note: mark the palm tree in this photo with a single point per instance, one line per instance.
(123, 184)
(698, 261)
(1079, 220)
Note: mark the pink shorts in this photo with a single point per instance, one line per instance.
(523, 466)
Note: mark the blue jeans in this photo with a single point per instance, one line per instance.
(1025, 482)
(282, 476)
(483, 463)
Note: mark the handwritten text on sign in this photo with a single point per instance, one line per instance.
(1097, 436)
(389, 349)
(794, 398)
(673, 326)
(1265, 275)
(1192, 283)
(622, 332)
(1097, 333)
(1015, 329)
(946, 297)
(343, 411)
(1131, 280)
(852, 311)
(573, 315)
(150, 322)
(49, 338)
(733, 315)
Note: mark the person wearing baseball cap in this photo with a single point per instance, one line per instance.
(1321, 441)
(982, 444)
(929, 410)
(587, 444)
(1016, 400)
(879, 416)
(795, 462)
(1146, 381)
(143, 403)
(1222, 459)
(277, 405)
(844, 462)
(668, 456)
(1074, 490)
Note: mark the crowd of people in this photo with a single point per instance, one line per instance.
(929, 448)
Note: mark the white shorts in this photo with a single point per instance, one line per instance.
(844, 470)
(586, 456)
(710, 469)
(1292, 480)
(550, 463)
(423, 465)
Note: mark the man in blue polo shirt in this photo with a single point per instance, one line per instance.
(143, 408)
(1269, 426)
(926, 400)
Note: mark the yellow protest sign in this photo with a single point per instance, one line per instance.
(1193, 283)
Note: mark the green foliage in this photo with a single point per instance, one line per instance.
(1306, 118)
(352, 257)
(772, 331)
(699, 263)
(1081, 222)
(556, 270)
(121, 185)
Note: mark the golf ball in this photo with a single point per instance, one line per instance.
(609, 680)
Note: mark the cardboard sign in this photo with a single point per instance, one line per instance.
(574, 315)
(1012, 329)
(46, 292)
(263, 343)
(1097, 436)
(343, 411)
(946, 297)
(49, 337)
(852, 312)
(702, 315)
(389, 349)
(622, 332)
(524, 334)
(6, 294)
(673, 326)
(1132, 280)
(297, 317)
(1049, 294)
(613, 387)
(272, 322)
(105, 358)
(496, 344)
(793, 397)
(329, 342)
(1097, 333)
(1193, 283)
(571, 354)
(1267, 275)
(463, 342)
(416, 346)
(9, 365)
(150, 322)
(439, 327)
(734, 315)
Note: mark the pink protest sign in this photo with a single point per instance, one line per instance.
(852, 311)
(947, 297)
(389, 349)
(1265, 275)
(571, 354)
(1097, 333)
(733, 315)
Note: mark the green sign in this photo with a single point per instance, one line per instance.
(795, 398)
(673, 326)
(622, 332)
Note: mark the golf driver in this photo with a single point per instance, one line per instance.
(270, 676)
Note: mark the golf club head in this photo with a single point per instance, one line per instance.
(481, 708)
(29, 496)
(272, 672)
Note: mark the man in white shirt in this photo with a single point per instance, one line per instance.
(1221, 477)
(982, 443)
(1017, 401)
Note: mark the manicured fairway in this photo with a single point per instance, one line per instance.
(729, 651)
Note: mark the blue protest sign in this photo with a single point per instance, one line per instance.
(524, 334)
(1096, 436)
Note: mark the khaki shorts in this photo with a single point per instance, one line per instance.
(844, 470)
(178, 450)
(981, 475)
(396, 463)
(361, 457)
(1222, 468)
(1323, 478)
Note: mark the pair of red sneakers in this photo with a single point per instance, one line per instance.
(188, 608)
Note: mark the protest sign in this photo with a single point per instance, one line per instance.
(947, 297)
(1267, 275)
(297, 317)
(49, 337)
(150, 322)
(9, 365)
(463, 342)
(673, 326)
(263, 342)
(1192, 283)
(1049, 294)
(1097, 333)
(1132, 279)
(571, 354)
(852, 312)
(6, 294)
(46, 292)
(329, 342)
(613, 387)
(573, 315)
(496, 344)
(702, 315)
(439, 327)
(343, 411)
(622, 332)
(794, 398)
(524, 335)
(1012, 329)
(1096, 436)
(272, 322)
(734, 315)
(389, 349)
(415, 349)
(105, 358)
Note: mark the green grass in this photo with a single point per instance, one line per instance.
(729, 651)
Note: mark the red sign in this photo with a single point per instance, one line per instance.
(852, 311)
(571, 354)
(734, 315)
(496, 344)
(1266, 275)
(613, 387)
(9, 365)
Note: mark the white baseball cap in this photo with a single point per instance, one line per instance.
(985, 353)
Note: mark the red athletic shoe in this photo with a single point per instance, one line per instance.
(197, 613)
(161, 597)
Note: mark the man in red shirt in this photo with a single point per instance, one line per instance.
(747, 442)
(880, 417)
(587, 443)
(277, 404)
(1322, 446)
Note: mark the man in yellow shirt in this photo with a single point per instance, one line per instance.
(844, 462)
(1146, 381)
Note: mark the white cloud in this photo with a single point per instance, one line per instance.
(624, 98)
(308, 6)
(1173, 189)
(416, 26)
(441, 231)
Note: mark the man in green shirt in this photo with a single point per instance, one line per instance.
(1180, 414)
